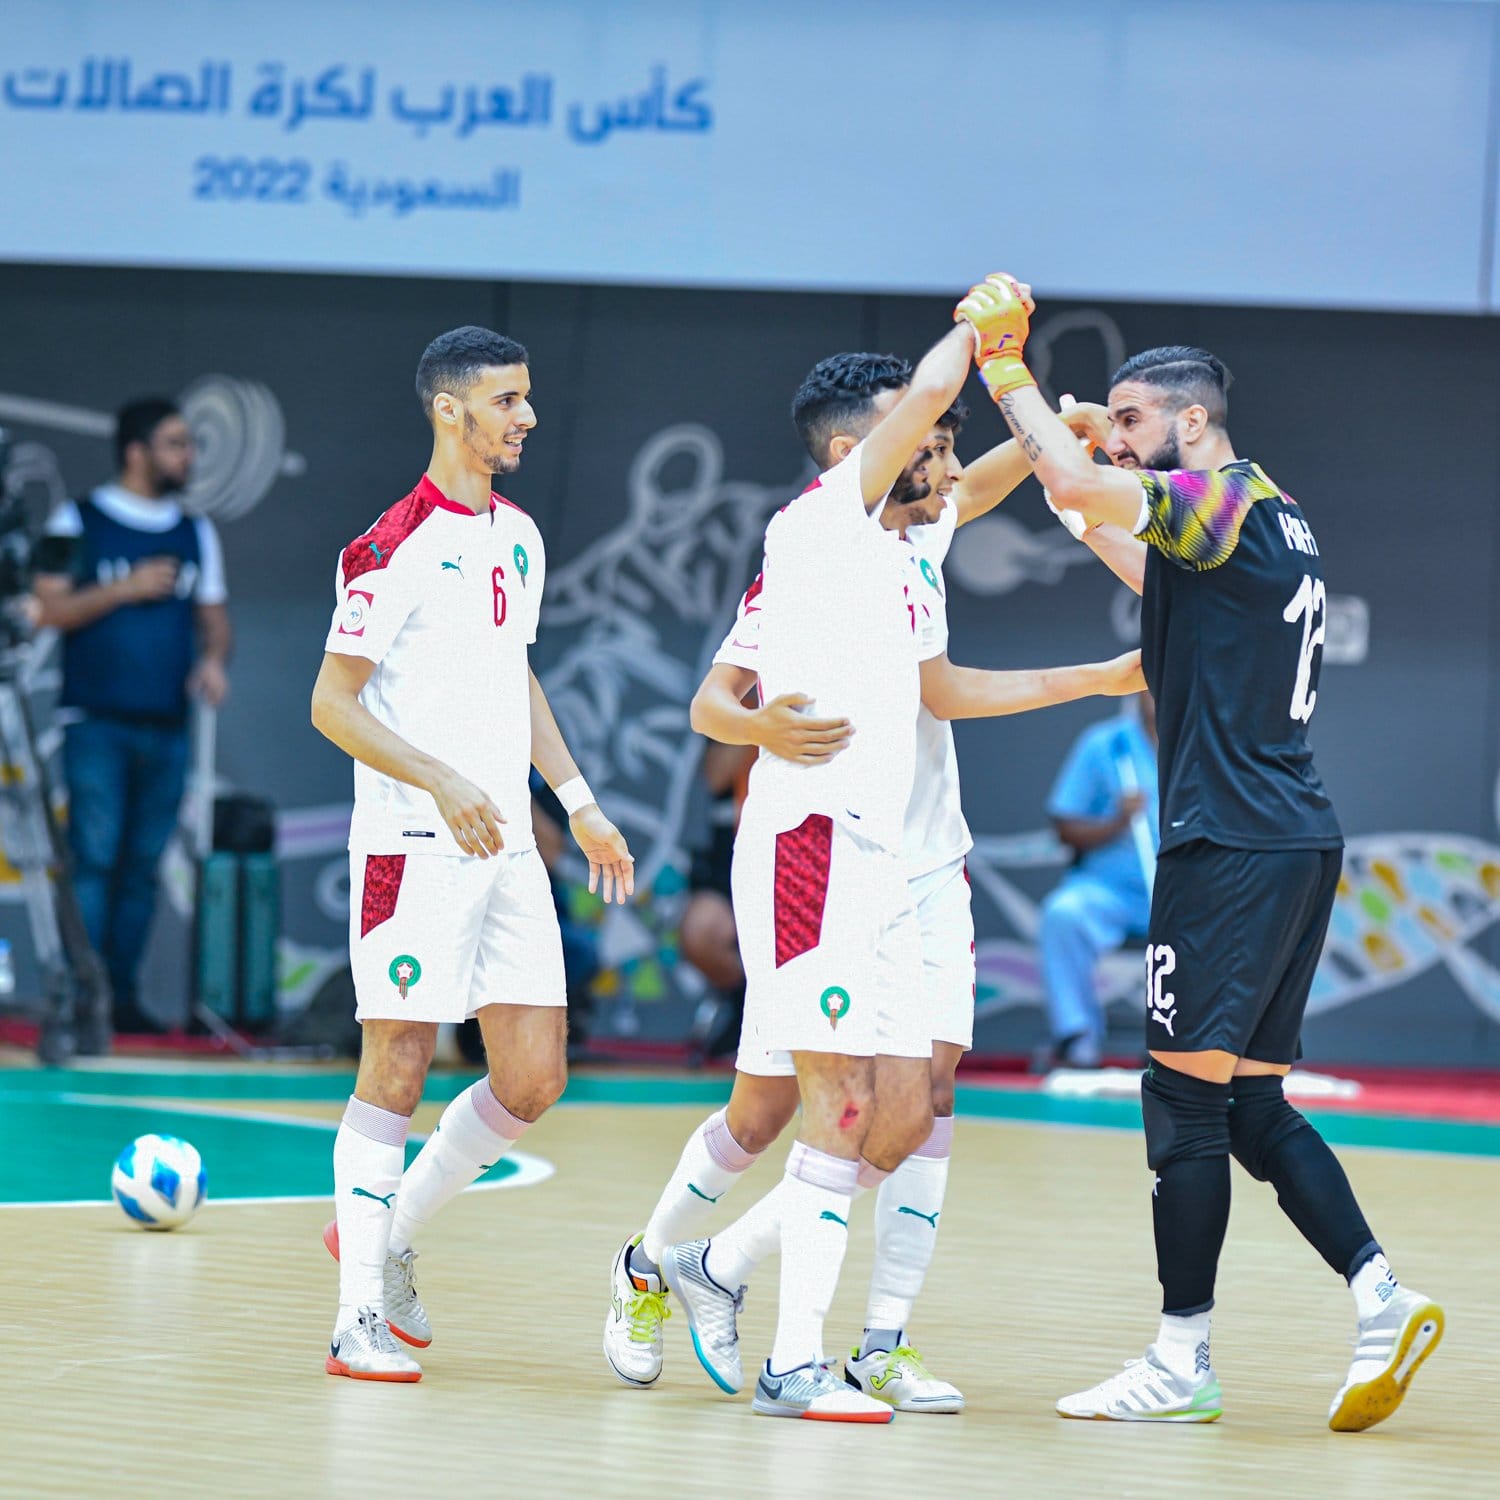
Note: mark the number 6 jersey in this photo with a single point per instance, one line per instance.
(445, 603)
(1233, 616)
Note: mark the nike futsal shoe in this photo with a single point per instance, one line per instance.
(900, 1379)
(816, 1394)
(632, 1327)
(1389, 1349)
(712, 1312)
(1147, 1391)
(365, 1350)
(403, 1311)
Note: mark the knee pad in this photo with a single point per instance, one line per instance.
(1185, 1117)
(1260, 1119)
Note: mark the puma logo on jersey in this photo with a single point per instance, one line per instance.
(1298, 534)
(454, 567)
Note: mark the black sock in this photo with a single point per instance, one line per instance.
(1315, 1195)
(1190, 1212)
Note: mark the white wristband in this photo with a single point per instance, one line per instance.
(574, 794)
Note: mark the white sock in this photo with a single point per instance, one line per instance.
(815, 1197)
(475, 1131)
(1182, 1343)
(906, 1224)
(368, 1153)
(1373, 1286)
(711, 1163)
(735, 1252)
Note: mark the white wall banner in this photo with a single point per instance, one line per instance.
(1329, 152)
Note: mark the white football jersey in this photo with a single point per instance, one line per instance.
(445, 603)
(934, 832)
(830, 619)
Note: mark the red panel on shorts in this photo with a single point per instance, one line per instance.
(383, 874)
(802, 860)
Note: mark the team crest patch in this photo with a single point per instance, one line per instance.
(929, 573)
(834, 1003)
(405, 971)
(356, 611)
(522, 562)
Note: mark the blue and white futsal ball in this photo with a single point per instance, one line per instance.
(159, 1181)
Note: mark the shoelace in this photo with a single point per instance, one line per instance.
(404, 1264)
(378, 1332)
(908, 1358)
(647, 1311)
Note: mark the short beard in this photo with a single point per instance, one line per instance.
(168, 484)
(907, 491)
(496, 463)
(1168, 456)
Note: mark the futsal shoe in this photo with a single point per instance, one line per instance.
(632, 1327)
(403, 1311)
(365, 1350)
(814, 1393)
(1389, 1349)
(1147, 1391)
(712, 1312)
(900, 1379)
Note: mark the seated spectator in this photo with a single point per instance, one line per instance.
(1103, 807)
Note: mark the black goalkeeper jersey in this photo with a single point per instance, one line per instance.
(1233, 616)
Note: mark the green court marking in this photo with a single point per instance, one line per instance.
(21, 1088)
(61, 1149)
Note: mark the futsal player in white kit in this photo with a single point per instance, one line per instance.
(426, 683)
(920, 519)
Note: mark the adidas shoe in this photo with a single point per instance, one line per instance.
(1389, 1349)
(403, 1310)
(712, 1312)
(816, 1394)
(632, 1327)
(900, 1379)
(1146, 1391)
(365, 1350)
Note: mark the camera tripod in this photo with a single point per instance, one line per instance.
(75, 987)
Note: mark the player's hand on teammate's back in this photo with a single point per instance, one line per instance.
(1124, 676)
(608, 855)
(470, 815)
(999, 311)
(786, 731)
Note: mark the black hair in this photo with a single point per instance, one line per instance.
(954, 418)
(136, 421)
(453, 361)
(838, 394)
(1193, 377)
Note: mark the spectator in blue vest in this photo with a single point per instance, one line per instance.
(1103, 807)
(142, 609)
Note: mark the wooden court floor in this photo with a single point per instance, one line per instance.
(191, 1363)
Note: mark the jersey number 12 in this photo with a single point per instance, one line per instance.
(1310, 606)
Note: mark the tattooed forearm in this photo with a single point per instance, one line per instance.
(1030, 446)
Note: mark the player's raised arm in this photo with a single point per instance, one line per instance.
(338, 715)
(936, 381)
(603, 845)
(953, 692)
(781, 727)
(999, 312)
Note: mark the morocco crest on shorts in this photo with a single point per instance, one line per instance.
(834, 1004)
(405, 971)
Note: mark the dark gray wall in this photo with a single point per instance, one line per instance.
(1383, 427)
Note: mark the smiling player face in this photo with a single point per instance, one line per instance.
(918, 495)
(497, 415)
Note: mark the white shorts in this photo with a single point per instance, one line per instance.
(945, 922)
(828, 935)
(433, 937)
(945, 915)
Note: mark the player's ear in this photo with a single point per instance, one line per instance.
(840, 446)
(446, 409)
(1194, 421)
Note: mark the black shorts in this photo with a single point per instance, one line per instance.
(1233, 943)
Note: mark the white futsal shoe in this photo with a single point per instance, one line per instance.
(814, 1393)
(900, 1379)
(403, 1308)
(1147, 1391)
(632, 1327)
(1389, 1350)
(365, 1350)
(712, 1313)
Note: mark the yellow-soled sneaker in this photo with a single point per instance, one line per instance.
(1389, 1350)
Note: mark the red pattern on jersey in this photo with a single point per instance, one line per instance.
(500, 499)
(378, 545)
(383, 874)
(803, 855)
